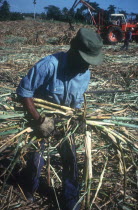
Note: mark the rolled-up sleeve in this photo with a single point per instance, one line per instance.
(34, 79)
(23, 92)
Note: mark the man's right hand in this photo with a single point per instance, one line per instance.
(43, 126)
(46, 126)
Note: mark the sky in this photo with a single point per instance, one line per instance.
(28, 6)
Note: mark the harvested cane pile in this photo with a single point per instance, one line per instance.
(35, 32)
(106, 151)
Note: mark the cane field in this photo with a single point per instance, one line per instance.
(106, 142)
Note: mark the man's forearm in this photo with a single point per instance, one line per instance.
(44, 125)
(30, 107)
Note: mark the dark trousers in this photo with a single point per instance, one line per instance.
(126, 45)
(69, 173)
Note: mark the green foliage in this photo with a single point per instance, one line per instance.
(111, 9)
(16, 16)
(31, 15)
(53, 12)
(123, 12)
(5, 11)
(43, 16)
(65, 14)
(79, 15)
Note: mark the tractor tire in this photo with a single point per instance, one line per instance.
(114, 35)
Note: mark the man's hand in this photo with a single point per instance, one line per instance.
(46, 127)
(43, 126)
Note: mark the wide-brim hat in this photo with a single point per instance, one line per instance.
(89, 44)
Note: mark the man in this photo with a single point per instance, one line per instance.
(128, 38)
(60, 78)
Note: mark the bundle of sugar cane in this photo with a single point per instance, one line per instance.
(54, 108)
(14, 118)
(14, 124)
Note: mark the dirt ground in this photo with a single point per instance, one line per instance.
(114, 82)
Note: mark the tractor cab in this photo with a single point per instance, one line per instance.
(117, 19)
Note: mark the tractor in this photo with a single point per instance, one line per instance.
(113, 31)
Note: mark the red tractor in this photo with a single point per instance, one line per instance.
(114, 31)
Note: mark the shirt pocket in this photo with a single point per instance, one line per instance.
(55, 93)
(55, 89)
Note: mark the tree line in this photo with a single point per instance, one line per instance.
(6, 14)
(79, 14)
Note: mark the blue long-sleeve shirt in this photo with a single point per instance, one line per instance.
(50, 79)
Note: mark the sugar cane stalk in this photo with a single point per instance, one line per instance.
(52, 104)
(100, 183)
(88, 168)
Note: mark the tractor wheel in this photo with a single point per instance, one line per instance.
(114, 35)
